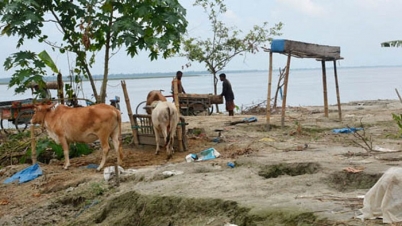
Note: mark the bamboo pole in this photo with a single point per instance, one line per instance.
(269, 92)
(338, 99)
(117, 173)
(60, 93)
(285, 91)
(324, 84)
(397, 93)
(130, 114)
(33, 144)
(177, 104)
(183, 132)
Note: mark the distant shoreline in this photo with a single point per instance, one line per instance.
(188, 73)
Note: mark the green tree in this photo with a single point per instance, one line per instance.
(89, 27)
(396, 43)
(226, 42)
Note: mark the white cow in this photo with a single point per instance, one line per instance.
(164, 119)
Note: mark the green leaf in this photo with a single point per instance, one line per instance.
(44, 56)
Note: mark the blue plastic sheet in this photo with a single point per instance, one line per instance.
(207, 154)
(346, 130)
(26, 174)
(251, 119)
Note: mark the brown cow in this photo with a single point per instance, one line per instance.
(154, 95)
(84, 125)
(164, 119)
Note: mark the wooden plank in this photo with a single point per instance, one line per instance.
(324, 88)
(150, 140)
(33, 144)
(179, 129)
(338, 99)
(285, 91)
(306, 50)
(130, 114)
(193, 95)
(399, 96)
(268, 118)
(204, 98)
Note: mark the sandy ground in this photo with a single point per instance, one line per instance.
(303, 167)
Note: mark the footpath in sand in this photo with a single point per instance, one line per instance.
(303, 173)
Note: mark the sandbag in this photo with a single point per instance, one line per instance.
(384, 199)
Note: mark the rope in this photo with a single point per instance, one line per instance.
(94, 202)
(113, 85)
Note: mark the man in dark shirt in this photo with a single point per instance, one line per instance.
(227, 92)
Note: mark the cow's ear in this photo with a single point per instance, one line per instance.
(37, 106)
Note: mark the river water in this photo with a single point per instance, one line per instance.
(305, 87)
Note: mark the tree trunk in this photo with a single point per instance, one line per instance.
(216, 91)
(60, 87)
(91, 80)
(107, 55)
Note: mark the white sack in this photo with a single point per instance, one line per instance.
(384, 199)
(109, 172)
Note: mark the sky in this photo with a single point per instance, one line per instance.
(357, 26)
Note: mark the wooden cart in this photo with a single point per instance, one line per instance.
(17, 113)
(190, 104)
(194, 104)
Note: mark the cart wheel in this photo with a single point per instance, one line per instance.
(197, 108)
(3, 124)
(183, 111)
(140, 110)
(211, 110)
(23, 119)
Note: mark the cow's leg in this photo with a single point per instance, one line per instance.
(167, 140)
(169, 149)
(156, 132)
(116, 138)
(105, 150)
(66, 148)
(173, 122)
(172, 142)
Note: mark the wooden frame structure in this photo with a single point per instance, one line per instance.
(145, 132)
(321, 53)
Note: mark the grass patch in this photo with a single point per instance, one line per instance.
(291, 169)
(132, 208)
(343, 181)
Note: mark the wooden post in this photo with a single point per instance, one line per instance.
(324, 84)
(397, 93)
(183, 132)
(130, 114)
(176, 102)
(33, 145)
(285, 90)
(117, 173)
(338, 99)
(269, 92)
(60, 93)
